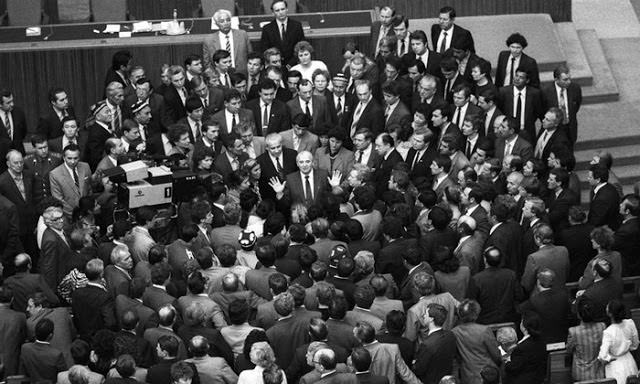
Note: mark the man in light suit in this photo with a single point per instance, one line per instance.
(254, 146)
(396, 112)
(13, 333)
(282, 33)
(298, 137)
(509, 142)
(295, 190)
(553, 257)
(235, 39)
(312, 105)
(440, 168)
(70, 180)
(257, 280)
(233, 113)
(564, 90)
(381, 28)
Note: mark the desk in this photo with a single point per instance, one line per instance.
(76, 58)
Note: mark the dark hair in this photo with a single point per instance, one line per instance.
(517, 38)
(238, 311)
(361, 359)
(617, 311)
(43, 329)
(120, 59)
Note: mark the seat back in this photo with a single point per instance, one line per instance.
(24, 12)
(74, 11)
(558, 371)
(111, 10)
(597, 381)
(209, 7)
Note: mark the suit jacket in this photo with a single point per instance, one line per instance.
(521, 148)
(371, 117)
(25, 284)
(433, 62)
(24, 205)
(175, 109)
(269, 170)
(369, 378)
(139, 243)
(320, 111)
(357, 315)
(528, 363)
(285, 336)
(342, 162)
(383, 169)
(270, 37)
(158, 112)
(375, 33)
(55, 144)
(604, 209)
(444, 184)
(388, 262)
(341, 120)
(63, 334)
(153, 334)
(13, 334)
(49, 125)
(257, 280)
(469, 252)
(93, 310)
(54, 258)
(117, 280)
(574, 96)
(155, 298)
(552, 305)
(533, 107)
(400, 115)
(435, 357)
(41, 361)
(94, 150)
(387, 361)
(477, 347)
(148, 318)
(460, 35)
(244, 115)
(529, 64)
(19, 126)
(63, 186)
(339, 378)
(558, 214)
(557, 139)
(309, 141)
(223, 166)
(627, 242)
(420, 172)
(577, 240)
(241, 48)
(497, 290)
(553, 257)
(507, 237)
(600, 293)
(279, 117)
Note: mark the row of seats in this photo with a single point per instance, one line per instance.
(31, 12)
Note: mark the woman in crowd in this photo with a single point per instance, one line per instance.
(602, 240)
(203, 161)
(334, 157)
(321, 82)
(481, 74)
(618, 340)
(528, 361)
(450, 275)
(584, 343)
(306, 66)
(263, 357)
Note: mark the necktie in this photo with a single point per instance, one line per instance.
(458, 116)
(446, 89)
(265, 120)
(513, 64)
(306, 109)
(116, 121)
(519, 108)
(415, 160)
(198, 129)
(228, 47)
(356, 117)
(227, 79)
(279, 169)
(254, 80)
(234, 123)
(387, 113)
(443, 44)
(75, 178)
(402, 47)
(360, 153)
(351, 87)
(562, 103)
(468, 151)
(7, 124)
(541, 144)
(507, 149)
(205, 101)
(339, 106)
(307, 188)
(283, 32)
(143, 133)
(235, 164)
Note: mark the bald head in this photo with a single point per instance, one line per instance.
(22, 262)
(230, 282)
(199, 346)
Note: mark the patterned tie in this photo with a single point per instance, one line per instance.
(205, 102)
(7, 124)
(228, 47)
(116, 121)
(443, 44)
(339, 106)
(511, 74)
(198, 130)
(76, 179)
(279, 169)
(563, 106)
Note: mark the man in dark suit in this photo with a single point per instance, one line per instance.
(156, 295)
(119, 70)
(13, 333)
(307, 192)
(340, 102)
(146, 317)
(70, 135)
(577, 239)
(367, 113)
(566, 95)
(117, 273)
(627, 237)
(257, 280)
(232, 114)
(604, 206)
(39, 360)
(155, 119)
(445, 34)
(389, 157)
(16, 184)
(514, 58)
(92, 306)
(277, 162)
(505, 235)
(550, 136)
(212, 98)
(435, 356)
(420, 156)
(175, 96)
(40, 163)
(145, 352)
(522, 102)
(420, 51)
(233, 158)
(13, 123)
(487, 101)
(99, 132)
(267, 106)
(50, 125)
(364, 152)
(193, 120)
(381, 28)
(312, 105)
(393, 65)
(560, 200)
(450, 78)
(605, 288)
(282, 33)
(55, 253)
(396, 112)
(462, 104)
(551, 303)
(24, 284)
(388, 260)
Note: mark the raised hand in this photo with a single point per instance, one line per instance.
(276, 185)
(335, 178)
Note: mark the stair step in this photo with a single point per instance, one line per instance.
(604, 88)
(609, 143)
(573, 50)
(622, 155)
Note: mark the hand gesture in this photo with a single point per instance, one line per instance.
(335, 178)
(276, 185)
(141, 147)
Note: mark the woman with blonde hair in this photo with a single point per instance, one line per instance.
(263, 357)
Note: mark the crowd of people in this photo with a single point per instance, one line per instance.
(407, 217)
